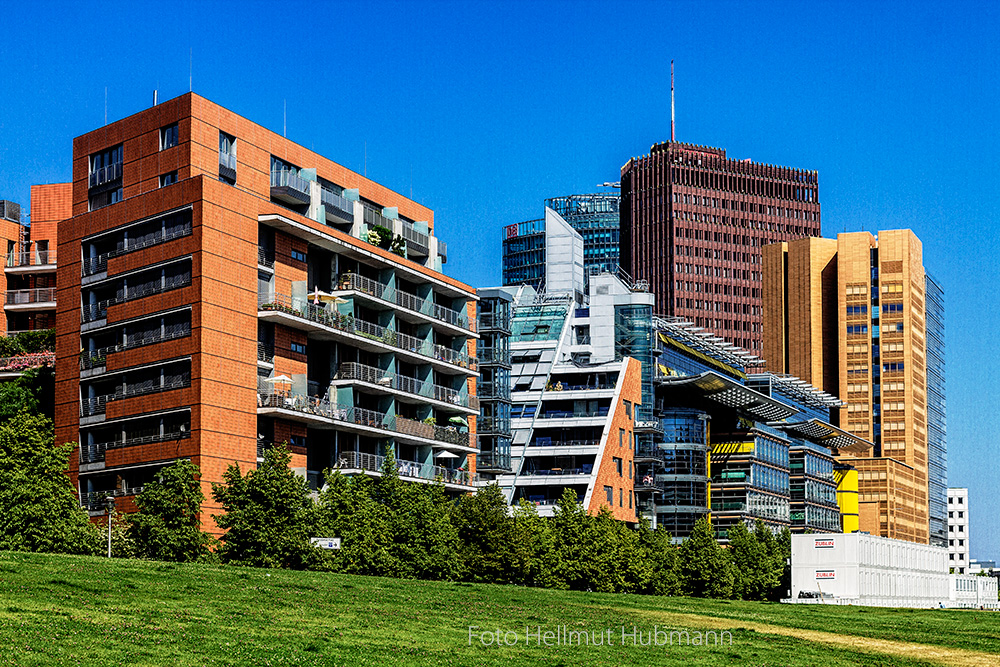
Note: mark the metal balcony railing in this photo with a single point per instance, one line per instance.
(97, 405)
(228, 160)
(26, 361)
(265, 352)
(406, 469)
(413, 237)
(547, 442)
(96, 452)
(99, 263)
(265, 257)
(31, 258)
(98, 358)
(95, 500)
(341, 207)
(351, 281)
(320, 407)
(373, 217)
(286, 178)
(493, 321)
(29, 296)
(302, 308)
(98, 311)
(572, 414)
(105, 174)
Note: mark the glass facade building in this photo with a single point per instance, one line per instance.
(494, 382)
(594, 216)
(937, 447)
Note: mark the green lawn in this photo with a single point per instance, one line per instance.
(58, 610)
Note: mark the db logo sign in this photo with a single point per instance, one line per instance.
(511, 231)
(826, 574)
(824, 544)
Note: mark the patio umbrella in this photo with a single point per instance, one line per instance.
(446, 455)
(458, 421)
(280, 379)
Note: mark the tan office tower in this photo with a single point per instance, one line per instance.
(849, 316)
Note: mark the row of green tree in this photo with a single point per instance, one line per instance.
(388, 528)
(28, 342)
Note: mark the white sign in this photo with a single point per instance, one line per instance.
(325, 542)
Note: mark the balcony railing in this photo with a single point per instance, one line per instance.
(302, 308)
(354, 371)
(29, 296)
(26, 361)
(97, 405)
(286, 178)
(265, 257)
(546, 442)
(98, 264)
(320, 407)
(352, 281)
(415, 238)
(265, 352)
(31, 258)
(586, 470)
(494, 321)
(98, 358)
(105, 174)
(96, 452)
(337, 205)
(407, 469)
(227, 160)
(571, 414)
(98, 311)
(96, 500)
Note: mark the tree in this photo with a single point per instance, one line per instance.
(753, 567)
(33, 392)
(533, 552)
(39, 509)
(705, 568)
(569, 527)
(780, 551)
(269, 515)
(347, 509)
(486, 530)
(660, 557)
(167, 525)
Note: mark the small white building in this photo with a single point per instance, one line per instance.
(958, 530)
(875, 571)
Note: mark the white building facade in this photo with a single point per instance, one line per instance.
(958, 530)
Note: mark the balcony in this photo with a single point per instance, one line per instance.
(549, 442)
(97, 500)
(90, 407)
(35, 261)
(317, 411)
(105, 175)
(408, 470)
(338, 209)
(97, 452)
(43, 298)
(290, 188)
(99, 263)
(92, 312)
(265, 257)
(227, 165)
(265, 352)
(494, 322)
(493, 391)
(378, 378)
(416, 242)
(602, 412)
(98, 357)
(363, 334)
(386, 294)
(493, 426)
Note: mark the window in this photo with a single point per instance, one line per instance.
(298, 348)
(168, 179)
(620, 503)
(961, 543)
(618, 465)
(961, 515)
(299, 256)
(621, 437)
(628, 409)
(227, 158)
(961, 499)
(169, 136)
(950, 556)
(610, 493)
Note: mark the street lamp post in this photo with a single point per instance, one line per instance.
(109, 503)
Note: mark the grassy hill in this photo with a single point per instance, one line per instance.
(63, 610)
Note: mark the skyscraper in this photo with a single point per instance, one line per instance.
(693, 223)
(857, 317)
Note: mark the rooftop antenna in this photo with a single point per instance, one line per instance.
(672, 137)
(105, 105)
(284, 119)
(191, 69)
(155, 91)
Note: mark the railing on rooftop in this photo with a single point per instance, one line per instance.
(331, 318)
(29, 296)
(354, 371)
(320, 407)
(31, 258)
(352, 281)
(406, 469)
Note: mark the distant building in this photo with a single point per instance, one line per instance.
(958, 530)
(858, 317)
(593, 216)
(868, 570)
(693, 222)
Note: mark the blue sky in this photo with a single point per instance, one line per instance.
(484, 109)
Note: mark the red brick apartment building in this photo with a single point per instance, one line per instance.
(217, 292)
(693, 223)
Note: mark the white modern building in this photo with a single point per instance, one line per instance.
(958, 530)
(868, 570)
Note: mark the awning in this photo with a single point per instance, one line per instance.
(825, 434)
(731, 393)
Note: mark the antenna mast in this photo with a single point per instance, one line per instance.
(672, 137)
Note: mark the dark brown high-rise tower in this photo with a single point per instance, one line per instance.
(693, 223)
